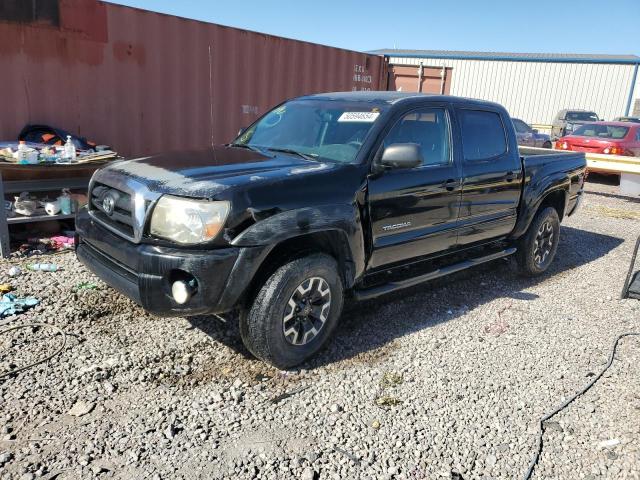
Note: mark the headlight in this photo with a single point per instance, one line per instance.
(184, 220)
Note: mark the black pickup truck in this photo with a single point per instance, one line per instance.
(325, 197)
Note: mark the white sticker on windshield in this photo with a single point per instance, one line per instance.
(359, 117)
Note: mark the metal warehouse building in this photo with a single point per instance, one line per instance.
(532, 86)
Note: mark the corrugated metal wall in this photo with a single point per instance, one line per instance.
(535, 91)
(145, 82)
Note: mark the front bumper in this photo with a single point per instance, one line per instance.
(145, 272)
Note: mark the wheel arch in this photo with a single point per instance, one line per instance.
(332, 242)
(556, 198)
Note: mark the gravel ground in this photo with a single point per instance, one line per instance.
(446, 381)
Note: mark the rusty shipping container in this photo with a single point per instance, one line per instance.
(145, 82)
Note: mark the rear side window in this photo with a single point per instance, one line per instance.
(483, 135)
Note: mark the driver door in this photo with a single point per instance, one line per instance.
(414, 211)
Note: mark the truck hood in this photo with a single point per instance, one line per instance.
(207, 173)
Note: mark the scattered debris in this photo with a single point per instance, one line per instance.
(81, 408)
(375, 425)
(350, 456)
(12, 305)
(286, 395)
(500, 326)
(43, 267)
(391, 379)
(609, 443)
(14, 271)
(387, 401)
(5, 288)
(55, 244)
(85, 286)
(62, 346)
(60, 242)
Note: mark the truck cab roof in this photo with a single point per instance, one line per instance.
(392, 98)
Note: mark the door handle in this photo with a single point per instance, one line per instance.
(510, 176)
(450, 184)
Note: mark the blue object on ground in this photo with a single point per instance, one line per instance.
(10, 304)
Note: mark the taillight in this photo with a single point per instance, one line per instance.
(615, 150)
(562, 145)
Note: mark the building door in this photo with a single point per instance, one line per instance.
(416, 78)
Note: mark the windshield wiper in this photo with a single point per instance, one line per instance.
(244, 145)
(293, 152)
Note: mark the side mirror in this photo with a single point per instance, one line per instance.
(535, 130)
(402, 155)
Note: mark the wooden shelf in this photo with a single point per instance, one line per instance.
(38, 218)
(33, 185)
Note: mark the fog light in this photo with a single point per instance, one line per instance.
(181, 292)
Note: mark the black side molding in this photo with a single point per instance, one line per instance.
(373, 292)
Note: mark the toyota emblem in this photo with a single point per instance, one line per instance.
(108, 204)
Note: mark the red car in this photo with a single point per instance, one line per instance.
(615, 138)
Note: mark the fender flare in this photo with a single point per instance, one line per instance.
(534, 195)
(258, 240)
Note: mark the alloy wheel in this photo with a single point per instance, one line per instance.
(543, 243)
(307, 311)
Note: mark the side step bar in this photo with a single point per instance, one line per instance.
(373, 292)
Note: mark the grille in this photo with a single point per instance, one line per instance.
(113, 207)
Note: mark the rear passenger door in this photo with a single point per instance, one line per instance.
(492, 175)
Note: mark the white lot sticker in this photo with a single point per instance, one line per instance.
(359, 117)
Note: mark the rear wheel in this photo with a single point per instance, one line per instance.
(295, 311)
(546, 144)
(537, 248)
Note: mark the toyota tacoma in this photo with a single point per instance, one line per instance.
(325, 197)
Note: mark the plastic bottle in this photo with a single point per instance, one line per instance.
(69, 149)
(22, 152)
(43, 267)
(65, 202)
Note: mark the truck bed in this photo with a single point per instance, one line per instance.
(553, 160)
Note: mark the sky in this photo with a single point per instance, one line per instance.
(584, 26)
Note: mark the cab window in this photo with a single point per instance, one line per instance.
(429, 128)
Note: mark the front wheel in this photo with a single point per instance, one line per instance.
(295, 311)
(537, 248)
(547, 144)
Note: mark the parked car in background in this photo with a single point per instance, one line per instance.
(614, 138)
(627, 119)
(529, 137)
(567, 121)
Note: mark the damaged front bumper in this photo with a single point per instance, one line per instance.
(145, 272)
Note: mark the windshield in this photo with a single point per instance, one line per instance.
(602, 131)
(327, 130)
(582, 116)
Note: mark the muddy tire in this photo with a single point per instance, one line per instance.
(537, 248)
(295, 311)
